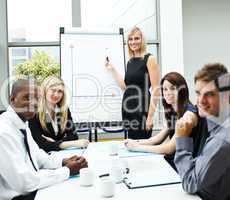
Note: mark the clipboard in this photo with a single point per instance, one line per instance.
(132, 185)
(152, 176)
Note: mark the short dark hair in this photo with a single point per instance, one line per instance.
(210, 72)
(18, 84)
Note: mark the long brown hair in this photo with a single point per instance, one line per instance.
(179, 82)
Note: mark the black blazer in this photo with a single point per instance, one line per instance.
(37, 131)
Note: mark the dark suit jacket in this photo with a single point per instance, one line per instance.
(37, 131)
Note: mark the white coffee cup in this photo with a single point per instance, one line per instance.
(113, 149)
(107, 187)
(86, 177)
(117, 174)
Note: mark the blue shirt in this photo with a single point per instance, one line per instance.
(209, 173)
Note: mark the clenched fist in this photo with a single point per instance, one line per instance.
(184, 127)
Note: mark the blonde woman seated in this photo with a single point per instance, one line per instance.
(176, 103)
(53, 128)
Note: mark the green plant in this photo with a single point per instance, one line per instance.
(40, 66)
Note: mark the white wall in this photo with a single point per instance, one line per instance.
(3, 51)
(171, 36)
(206, 35)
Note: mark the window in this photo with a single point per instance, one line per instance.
(37, 20)
(19, 52)
(125, 14)
(34, 26)
(19, 55)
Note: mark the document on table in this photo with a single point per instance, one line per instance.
(122, 151)
(151, 172)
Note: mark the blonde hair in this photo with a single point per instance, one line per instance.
(143, 42)
(46, 84)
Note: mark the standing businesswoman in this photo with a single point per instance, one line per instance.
(138, 104)
(176, 103)
(53, 128)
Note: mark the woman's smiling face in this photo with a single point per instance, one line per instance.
(54, 94)
(170, 93)
(134, 41)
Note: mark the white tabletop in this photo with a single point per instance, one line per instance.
(100, 162)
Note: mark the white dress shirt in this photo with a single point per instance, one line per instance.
(17, 175)
(53, 122)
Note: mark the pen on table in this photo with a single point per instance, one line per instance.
(83, 150)
(103, 175)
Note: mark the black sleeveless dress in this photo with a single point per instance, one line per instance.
(136, 98)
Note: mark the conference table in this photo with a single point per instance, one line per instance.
(146, 165)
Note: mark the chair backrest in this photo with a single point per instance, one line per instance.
(83, 130)
(112, 130)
